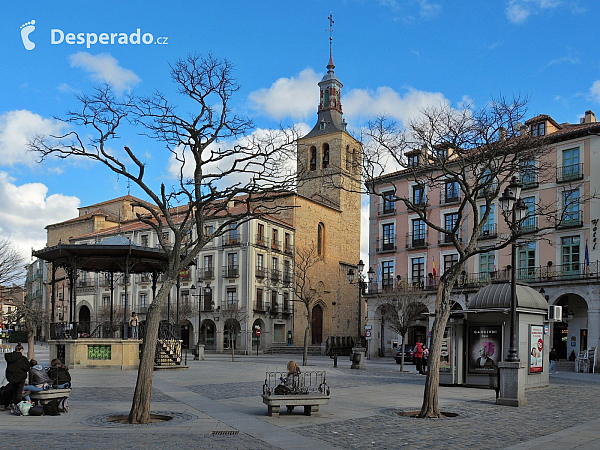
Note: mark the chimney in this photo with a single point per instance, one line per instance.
(590, 117)
(502, 134)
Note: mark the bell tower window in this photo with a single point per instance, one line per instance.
(325, 155)
(313, 158)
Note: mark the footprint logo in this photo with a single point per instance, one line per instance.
(26, 30)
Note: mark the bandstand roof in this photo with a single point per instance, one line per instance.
(497, 296)
(111, 255)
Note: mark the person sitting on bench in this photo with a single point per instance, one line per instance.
(59, 374)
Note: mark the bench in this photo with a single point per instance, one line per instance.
(43, 397)
(309, 389)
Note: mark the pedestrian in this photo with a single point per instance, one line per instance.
(38, 378)
(17, 369)
(553, 358)
(419, 357)
(59, 373)
(134, 324)
(425, 358)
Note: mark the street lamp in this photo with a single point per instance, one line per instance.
(207, 291)
(513, 209)
(361, 283)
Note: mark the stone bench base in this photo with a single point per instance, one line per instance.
(44, 397)
(310, 402)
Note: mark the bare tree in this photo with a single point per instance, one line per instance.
(305, 291)
(233, 315)
(28, 310)
(218, 159)
(476, 153)
(401, 308)
(11, 263)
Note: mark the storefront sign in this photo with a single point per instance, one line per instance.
(446, 353)
(536, 346)
(485, 348)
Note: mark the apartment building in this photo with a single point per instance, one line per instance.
(561, 263)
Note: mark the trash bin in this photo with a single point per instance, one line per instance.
(358, 358)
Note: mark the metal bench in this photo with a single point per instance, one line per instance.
(43, 397)
(307, 389)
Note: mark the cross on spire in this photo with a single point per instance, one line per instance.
(331, 30)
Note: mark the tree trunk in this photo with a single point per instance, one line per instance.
(30, 343)
(231, 341)
(306, 332)
(431, 407)
(140, 406)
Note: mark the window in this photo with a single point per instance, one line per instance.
(208, 267)
(260, 263)
(413, 160)
(389, 205)
(348, 158)
(208, 231)
(259, 299)
(274, 303)
(123, 299)
(418, 197)
(274, 270)
(529, 222)
(313, 158)
(260, 237)
(418, 233)
(489, 227)
(387, 272)
(450, 221)
(571, 213)
(570, 255)
(144, 240)
(570, 164)
(418, 271)
(487, 265)
(287, 271)
(321, 239)
(106, 301)
(275, 239)
(286, 301)
(325, 156)
(165, 237)
(232, 265)
(528, 173)
(231, 297)
(287, 243)
(233, 234)
(450, 260)
(143, 300)
(389, 238)
(526, 267)
(185, 298)
(451, 192)
(538, 129)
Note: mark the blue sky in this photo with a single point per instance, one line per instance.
(393, 56)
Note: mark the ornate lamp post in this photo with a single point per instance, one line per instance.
(361, 285)
(513, 209)
(200, 295)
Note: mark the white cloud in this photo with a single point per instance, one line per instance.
(595, 90)
(518, 11)
(16, 128)
(105, 69)
(362, 104)
(295, 97)
(429, 10)
(27, 209)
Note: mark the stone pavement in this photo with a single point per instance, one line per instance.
(216, 404)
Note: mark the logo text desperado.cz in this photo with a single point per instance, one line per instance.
(89, 39)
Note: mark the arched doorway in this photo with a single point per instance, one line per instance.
(186, 331)
(257, 341)
(316, 325)
(570, 335)
(84, 320)
(230, 334)
(207, 335)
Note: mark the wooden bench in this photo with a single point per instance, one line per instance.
(307, 389)
(43, 397)
(310, 402)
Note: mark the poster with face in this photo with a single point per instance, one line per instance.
(536, 348)
(485, 348)
(445, 354)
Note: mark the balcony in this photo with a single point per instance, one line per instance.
(529, 180)
(386, 244)
(259, 306)
(446, 239)
(416, 240)
(144, 278)
(261, 272)
(208, 273)
(529, 224)
(287, 278)
(288, 249)
(275, 276)
(448, 198)
(276, 245)
(231, 271)
(491, 189)
(571, 219)
(489, 231)
(88, 282)
(229, 241)
(386, 210)
(262, 241)
(569, 173)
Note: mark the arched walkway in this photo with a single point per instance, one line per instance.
(231, 333)
(207, 334)
(84, 319)
(570, 335)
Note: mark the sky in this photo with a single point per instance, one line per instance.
(394, 57)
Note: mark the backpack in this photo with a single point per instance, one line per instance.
(63, 405)
(51, 408)
(36, 410)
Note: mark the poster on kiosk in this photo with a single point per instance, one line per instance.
(485, 348)
(536, 348)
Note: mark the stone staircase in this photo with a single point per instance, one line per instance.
(564, 365)
(284, 349)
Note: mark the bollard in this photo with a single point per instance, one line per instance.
(334, 357)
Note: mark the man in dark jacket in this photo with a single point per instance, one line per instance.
(17, 368)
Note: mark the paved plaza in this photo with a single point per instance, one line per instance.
(216, 404)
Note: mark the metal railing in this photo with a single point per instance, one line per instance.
(386, 244)
(489, 231)
(569, 173)
(447, 198)
(571, 219)
(231, 271)
(446, 238)
(262, 241)
(416, 240)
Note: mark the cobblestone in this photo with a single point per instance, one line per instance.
(109, 394)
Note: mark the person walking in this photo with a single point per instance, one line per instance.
(425, 358)
(134, 324)
(553, 358)
(418, 355)
(17, 369)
